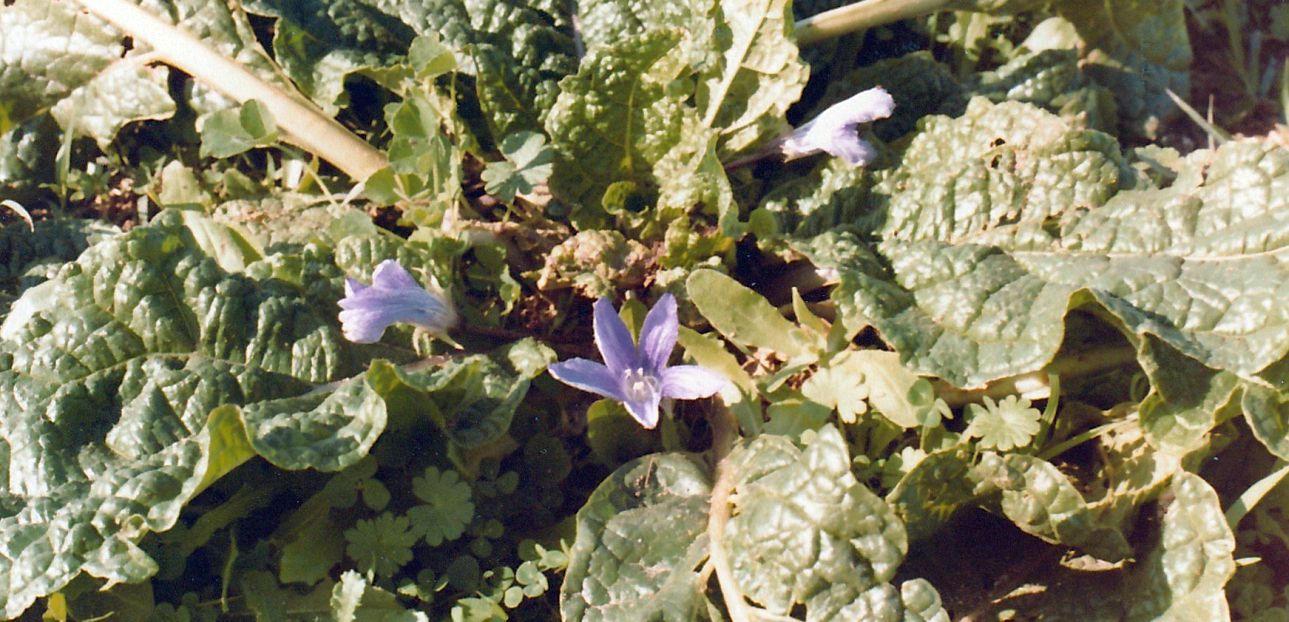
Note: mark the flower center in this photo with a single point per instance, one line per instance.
(639, 385)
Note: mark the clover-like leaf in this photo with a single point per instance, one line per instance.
(381, 545)
(1004, 425)
(447, 509)
(528, 163)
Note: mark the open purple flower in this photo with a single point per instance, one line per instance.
(834, 130)
(393, 296)
(638, 376)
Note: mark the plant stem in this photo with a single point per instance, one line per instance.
(862, 15)
(305, 124)
(723, 436)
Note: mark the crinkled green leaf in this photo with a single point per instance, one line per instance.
(319, 42)
(1267, 411)
(1183, 576)
(31, 255)
(1040, 500)
(640, 539)
(615, 121)
(744, 317)
(75, 65)
(1054, 80)
(929, 494)
(1137, 49)
(471, 399)
(803, 530)
(27, 157)
(1001, 231)
(756, 77)
(1186, 397)
(517, 51)
(115, 373)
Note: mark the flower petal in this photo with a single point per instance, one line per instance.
(587, 376)
(391, 275)
(690, 382)
(645, 411)
(613, 339)
(833, 130)
(658, 335)
(394, 297)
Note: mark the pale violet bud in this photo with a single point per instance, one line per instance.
(638, 375)
(393, 296)
(835, 129)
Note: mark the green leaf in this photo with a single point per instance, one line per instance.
(804, 531)
(1185, 397)
(1136, 49)
(640, 539)
(745, 318)
(382, 545)
(1010, 423)
(852, 379)
(1267, 412)
(1183, 575)
(527, 164)
(929, 494)
(757, 75)
(320, 42)
(447, 507)
(231, 131)
(615, 121)
(135, 346)
(472, 399)
(30, 256)
(77, 67)
(354, 600)
(976, 293)
(1042, 502)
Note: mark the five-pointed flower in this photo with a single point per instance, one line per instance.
(834, 130)
(638, 376)
(393, 296)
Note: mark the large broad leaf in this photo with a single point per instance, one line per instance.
(471, 400)
(991, 236)
(93, 80)
(616, 121)
(1042, 501)
(516, 50)
(142, 372)
(1138, 49)
(63, 59)
(319, 42)
(1183, 576)
(803, 531)
(640, 539)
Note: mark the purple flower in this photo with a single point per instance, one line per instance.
(393, 296)
(638, 376)
(834, 130)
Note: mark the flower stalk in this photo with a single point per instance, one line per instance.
(862, 16)
(304, 124)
